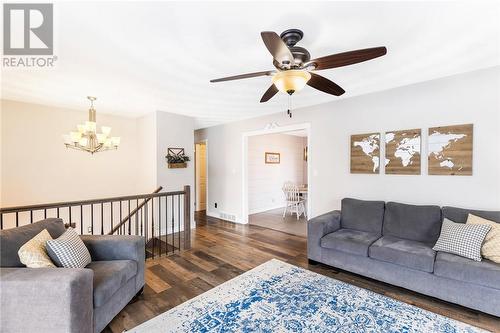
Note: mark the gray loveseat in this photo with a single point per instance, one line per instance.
(392, 242)
(68, 299)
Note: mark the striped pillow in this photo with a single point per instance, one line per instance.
(68, 250)
(462, 239)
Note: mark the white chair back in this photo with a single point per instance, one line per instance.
(291, 192)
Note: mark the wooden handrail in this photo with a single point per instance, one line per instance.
(124, 220)
(85, 202)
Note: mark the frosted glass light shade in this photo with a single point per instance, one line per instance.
(75, 136)
(107, 143)
(291, 80)
(81, 128)
(83, 141)
(90, 126)
(115, 141)
(101, 137)
(106, 130)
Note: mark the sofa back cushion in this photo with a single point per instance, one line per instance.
(417, 223)
(11, 240)
(362, 215)
(459, 215)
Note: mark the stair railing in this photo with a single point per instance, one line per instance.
(162, 218)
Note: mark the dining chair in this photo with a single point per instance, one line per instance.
(293, 201)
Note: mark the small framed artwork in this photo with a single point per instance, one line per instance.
(272, 158)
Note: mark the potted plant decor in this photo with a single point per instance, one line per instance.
(176, 158)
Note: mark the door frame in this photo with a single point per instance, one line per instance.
(275, 130)
(205, 142)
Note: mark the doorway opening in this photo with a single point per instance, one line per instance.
(201, 173)
(276, 178)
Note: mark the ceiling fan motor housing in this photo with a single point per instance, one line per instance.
(300, 54)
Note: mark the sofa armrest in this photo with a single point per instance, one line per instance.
(46, 299)
(118, 247)
(317, 228)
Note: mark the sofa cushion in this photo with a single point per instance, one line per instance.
(362, 215)
(109, 277)
(412, 222)
(459, 215)
(350, 241)
(11, 240)
(403, 252)
(451, 266)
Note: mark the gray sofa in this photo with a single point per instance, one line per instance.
(68, 299)
(392, 242)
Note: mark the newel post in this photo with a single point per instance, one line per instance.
(187, 217)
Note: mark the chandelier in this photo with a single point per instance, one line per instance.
(87, 139)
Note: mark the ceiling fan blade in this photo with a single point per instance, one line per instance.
(348, 58)
(277, 47)
(244, 76)
(269, 93)
(325, 85)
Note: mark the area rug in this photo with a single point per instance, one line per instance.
(279, 297)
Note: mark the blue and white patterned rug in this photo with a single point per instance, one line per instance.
(279, 297)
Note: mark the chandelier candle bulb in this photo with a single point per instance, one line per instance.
(101, 137)
(116, 141)
(106, 130)
(75, 136)
(90, 126)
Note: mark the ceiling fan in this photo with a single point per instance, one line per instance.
(295, 69)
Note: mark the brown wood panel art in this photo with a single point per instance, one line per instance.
(450, 150)
(402, 152)
(365, 153)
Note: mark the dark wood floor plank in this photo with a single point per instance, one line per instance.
(222, 250)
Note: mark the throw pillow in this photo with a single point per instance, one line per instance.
(462, 239)
(68, 250)
(33, 253)
(491, 245)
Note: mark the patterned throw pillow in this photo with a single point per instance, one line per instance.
(491, 245)
(33, 253)
(462, 239)
(68, 250)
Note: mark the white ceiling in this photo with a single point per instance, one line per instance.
(138, 57)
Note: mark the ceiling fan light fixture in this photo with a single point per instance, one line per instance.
(291, 80)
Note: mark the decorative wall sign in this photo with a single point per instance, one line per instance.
(450, 150)
(272, 158)
(176, 158)
(365, 153)
(402, 152)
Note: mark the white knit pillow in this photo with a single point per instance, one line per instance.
(33, 253)
(462, 239)
(68, 250)
(491, 246)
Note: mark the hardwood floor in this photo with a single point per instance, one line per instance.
(223, 250)
(273, 219)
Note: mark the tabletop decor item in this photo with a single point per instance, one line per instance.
(176, 158)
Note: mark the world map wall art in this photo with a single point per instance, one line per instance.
(402, 152)
(450, 150)
(365, 153)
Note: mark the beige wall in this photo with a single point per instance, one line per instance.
(266, 180)
(38, 168)
(466, 98)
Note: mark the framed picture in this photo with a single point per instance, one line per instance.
(272, 158)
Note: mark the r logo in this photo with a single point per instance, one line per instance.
(28, 29)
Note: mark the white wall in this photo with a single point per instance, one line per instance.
(467, 98)
(175, 131)
(38, 168)
(266, 180)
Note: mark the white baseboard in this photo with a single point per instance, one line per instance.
(217, 215)
(265, 209)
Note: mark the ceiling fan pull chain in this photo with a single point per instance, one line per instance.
(289, 111)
